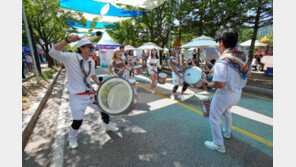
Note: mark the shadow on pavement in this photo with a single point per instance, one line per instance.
(157, 138)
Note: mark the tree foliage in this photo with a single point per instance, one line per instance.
(49, 22)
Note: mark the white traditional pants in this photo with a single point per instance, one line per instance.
(221, 104)
(78, 104)
(176, 79)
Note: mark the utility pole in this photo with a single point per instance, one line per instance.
(30, 43)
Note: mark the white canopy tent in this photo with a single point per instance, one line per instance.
(129, 47)
(245, 46)
(248, 43)
(106, 46)
(149, 46)
(207, 54)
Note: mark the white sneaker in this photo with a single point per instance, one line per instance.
(172, 97)
(73, 143)
(213, 146)
(181, 97)
(112, 128)
(226, 135)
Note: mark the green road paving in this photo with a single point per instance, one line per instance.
(161, 132)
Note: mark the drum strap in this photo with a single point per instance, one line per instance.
(86, 93)
(176, 63)
(85, 74)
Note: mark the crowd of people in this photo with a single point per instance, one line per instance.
(228, 75)
(27, 63)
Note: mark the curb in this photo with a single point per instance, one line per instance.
(57, 157)
(263, 91)
(30, 119)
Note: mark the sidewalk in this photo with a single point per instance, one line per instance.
(39, 147)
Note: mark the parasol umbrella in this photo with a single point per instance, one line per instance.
(149, 45)
(201, 42)
(129, 47)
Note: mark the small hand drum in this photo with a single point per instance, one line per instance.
(162, 78)
(138, 70)
(116, 96)
(192, 75)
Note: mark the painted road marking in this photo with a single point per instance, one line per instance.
(258, 138)
(235, 109)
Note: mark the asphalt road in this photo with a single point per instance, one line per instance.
(162, 132)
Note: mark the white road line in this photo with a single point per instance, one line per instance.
(202, 95)
(252, 115)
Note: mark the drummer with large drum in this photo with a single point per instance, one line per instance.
(80, 68)
(118, 67)
(176, 62)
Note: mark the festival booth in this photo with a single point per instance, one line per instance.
(106, 47)
(201, 42)
(207, 45)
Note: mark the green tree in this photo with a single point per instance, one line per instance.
(49, 22)
(262, 17)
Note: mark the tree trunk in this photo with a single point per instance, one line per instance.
(48, 58)
(256, 27)
(37, 62)
(160, 57)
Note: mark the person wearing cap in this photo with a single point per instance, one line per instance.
(231, 71)
(176, 62)
(80, 68)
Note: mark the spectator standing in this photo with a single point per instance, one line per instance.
(194, 54)
(29, 61)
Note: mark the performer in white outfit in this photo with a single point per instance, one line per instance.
(153, 64)
(131, 61)
(124, 57)
(230, 76)
(176, 62)
(80, 68)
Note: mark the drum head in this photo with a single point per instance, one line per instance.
(131, 81)
(162, 75)
(115, 95)
(192, 75)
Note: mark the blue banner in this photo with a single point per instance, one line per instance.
(88, 23)
(94, 7)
